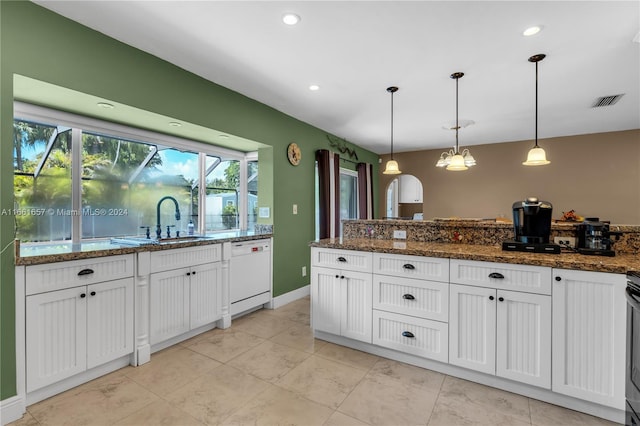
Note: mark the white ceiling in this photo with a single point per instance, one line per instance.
(354, 50)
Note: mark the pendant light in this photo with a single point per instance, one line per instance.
(454, 160)
(392, 165)
(536, 156)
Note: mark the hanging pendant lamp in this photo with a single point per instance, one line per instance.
(536, 156)
(392, 165)
(454, 160)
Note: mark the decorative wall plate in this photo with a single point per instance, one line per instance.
(294, 154)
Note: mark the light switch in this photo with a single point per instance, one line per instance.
(263, 212)
(295, 209)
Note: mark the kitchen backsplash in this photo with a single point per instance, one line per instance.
(465, 231)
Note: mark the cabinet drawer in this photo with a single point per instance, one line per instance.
(417, 336)
(61, 275)
(426, 268)
(348, 260)
(502, 276)
(425, 299)
(165, 260)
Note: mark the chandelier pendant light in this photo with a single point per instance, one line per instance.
(455, 160)
(392, 165)
(536, 155)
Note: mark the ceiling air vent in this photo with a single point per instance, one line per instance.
(606, 101)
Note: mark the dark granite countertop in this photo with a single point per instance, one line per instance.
(620, 263)
(38, 253)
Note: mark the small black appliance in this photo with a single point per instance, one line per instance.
(595, 238)
(532, 227)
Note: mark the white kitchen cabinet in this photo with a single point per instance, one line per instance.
(589, 314)
(184, 298)
(342, 303)
(472, 327)
(71, 330)
(410, 189)
(498, 331)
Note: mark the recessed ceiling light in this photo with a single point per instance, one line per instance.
(314, 87)
(532, 31)
(105, 105)
(175, 124)
(290, 18)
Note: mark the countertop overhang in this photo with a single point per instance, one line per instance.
(621, 263)
(37, 253)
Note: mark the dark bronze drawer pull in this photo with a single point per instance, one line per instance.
(408, 266)
(85, 272)
(408, 297)
(408, 334)
(342, 259)
(496, 275)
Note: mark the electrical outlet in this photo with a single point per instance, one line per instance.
(304, 271)
(400, 235)
(565, 241)
(295, 209)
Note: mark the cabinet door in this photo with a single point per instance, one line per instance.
(206, 294)
(356, 300)
(168, 304)
(56, 327)
(410, 189)
(472, 327)
(109, 321)
(523, 337)
(327, 299)
(589, 331)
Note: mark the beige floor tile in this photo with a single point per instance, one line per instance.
(543, 414)
(339, 419)
(227, 345)
(101, 401)
(351, 357)
(322, 380)
(277, 406)
(296, 311)
(217, 394)
(466, 403)
(299, 337)
(26, 420)
(170, 369)
(269, 361)
(407, 373)
(261, 324)
(380, 400)
(159, 413)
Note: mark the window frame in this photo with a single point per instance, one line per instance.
(79, 124)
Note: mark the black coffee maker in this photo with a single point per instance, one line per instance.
(594, 237)
(532, 227)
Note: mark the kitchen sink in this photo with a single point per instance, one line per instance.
(143, 241)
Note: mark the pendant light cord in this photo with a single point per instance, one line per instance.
(536, 104)
(392, 123)
(457, 127)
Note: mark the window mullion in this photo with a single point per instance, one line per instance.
(76, 185)
(243, 200)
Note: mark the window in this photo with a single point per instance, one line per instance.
(348, 197)
(91, 179)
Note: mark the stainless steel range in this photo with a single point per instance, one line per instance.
(633, 349)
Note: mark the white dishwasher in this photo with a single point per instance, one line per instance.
(250, 275)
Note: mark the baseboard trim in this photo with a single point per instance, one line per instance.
(12, 409)
(289, 297)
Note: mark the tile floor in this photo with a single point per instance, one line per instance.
(268, 369)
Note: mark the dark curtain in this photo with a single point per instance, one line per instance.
(365, 190)
(329, 193)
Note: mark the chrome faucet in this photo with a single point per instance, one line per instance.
(158, 226)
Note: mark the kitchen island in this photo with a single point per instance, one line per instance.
(447, 298)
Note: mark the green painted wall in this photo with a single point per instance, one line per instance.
(42, 45)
